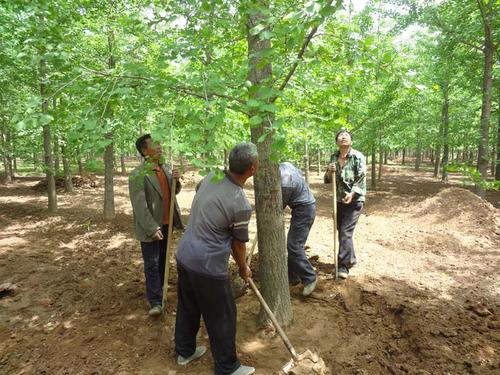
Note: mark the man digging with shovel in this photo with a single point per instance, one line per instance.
(218, 226)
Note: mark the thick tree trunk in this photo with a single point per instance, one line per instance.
(374, 169)
(482, 157)
(270, 228)
(68, 181)
(109, 157)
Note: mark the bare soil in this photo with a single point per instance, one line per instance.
(423, 299)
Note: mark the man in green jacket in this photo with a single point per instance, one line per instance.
(150, 186)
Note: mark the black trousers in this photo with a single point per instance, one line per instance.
(213, 299)
(347, 218)
(154, 254)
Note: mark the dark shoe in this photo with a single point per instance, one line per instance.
(199, 351)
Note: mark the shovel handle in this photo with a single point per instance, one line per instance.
(271, 316)
(334, 216)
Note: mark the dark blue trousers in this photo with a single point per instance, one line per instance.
(153, 254)
(299, 266)
(347, 218)
(211, 298)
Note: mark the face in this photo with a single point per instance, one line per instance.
(153, 149)
(344, 139)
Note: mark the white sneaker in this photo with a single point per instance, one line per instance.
(155, 310)
(309, 288)
(199, 351)
(243, 370)
(342, 274)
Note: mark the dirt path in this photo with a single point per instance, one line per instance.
(424, 298)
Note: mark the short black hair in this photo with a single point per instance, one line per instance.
(343, 130)
(141, 144)
(242, 157)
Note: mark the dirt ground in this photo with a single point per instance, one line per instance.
(423, 299)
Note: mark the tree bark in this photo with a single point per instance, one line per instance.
(122, 164)
(319, 162)
(437, 154)
(488, 51)
(267, 184)
(380, 161)
(403, 156)
(306, 160)
(373, 179)
(497, 158)
(109, 157)
(445, 120)
(418, 158)
(5, 157)
(68, 178)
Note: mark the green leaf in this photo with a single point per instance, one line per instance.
(255, 121)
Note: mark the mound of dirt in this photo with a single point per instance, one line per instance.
(78, 182)
(459, 205)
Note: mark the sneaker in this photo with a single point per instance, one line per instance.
(342, 274)
(309, 288)
(243, 370)
(155, 310)
(198, 352)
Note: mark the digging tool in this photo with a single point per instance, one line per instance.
(334, 216)
(307, 362)
(169, 241)
(252, 249)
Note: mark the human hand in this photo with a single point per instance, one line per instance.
(348, 198)
(332, 167)
(158, 235)
(245, 273)
(176, 174)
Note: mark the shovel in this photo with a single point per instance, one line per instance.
(307, 362)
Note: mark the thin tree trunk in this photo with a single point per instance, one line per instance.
(380, 161)
(68, 178)
(403, 156)
(418, 158)
(47, 144)
(80, 166)
(270, 228)
(437, 155)
(109, 197)
(488, 51)
(5, 157)
(306, 160)
(497, 159)
(374, 168)
(319, 162)
(445, 120)
(122, 164)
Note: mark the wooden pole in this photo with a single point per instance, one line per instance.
(334, 217)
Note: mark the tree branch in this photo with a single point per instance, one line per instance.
(300, 55)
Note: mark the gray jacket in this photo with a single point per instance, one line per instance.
(147, 202)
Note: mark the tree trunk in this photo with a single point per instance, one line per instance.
(403, 156)
(497, 159)
(445, 120)
(270, 228)
(488, 51)
(68, 181)
(374, 168)
(418, 158)
(380, 161)
(5, 157)
(306, 160)
(385, 157)
(319, 162)
(122, 164)
(47, 144)
(109, 157)
(80, 166)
